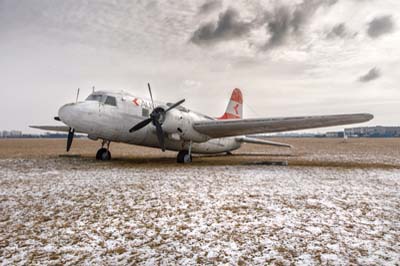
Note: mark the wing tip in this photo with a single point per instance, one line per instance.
(366, 117)
(370, 116)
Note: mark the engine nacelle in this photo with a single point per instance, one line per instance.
(180, 122)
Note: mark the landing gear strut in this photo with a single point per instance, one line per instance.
(104, 154)
(185, 156)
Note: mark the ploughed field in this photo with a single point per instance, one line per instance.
(336, 203)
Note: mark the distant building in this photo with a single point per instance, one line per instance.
(11, 134)
(16, 133)
(373, 132)
(335, 134)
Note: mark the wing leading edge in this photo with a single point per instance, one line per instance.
(235, 127)
(54, 128)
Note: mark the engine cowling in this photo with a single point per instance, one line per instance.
(180, 123)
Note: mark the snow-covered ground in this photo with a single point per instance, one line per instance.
(61, 211)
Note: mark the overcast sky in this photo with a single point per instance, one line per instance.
(289, 58)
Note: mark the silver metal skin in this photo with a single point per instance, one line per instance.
(101, 121)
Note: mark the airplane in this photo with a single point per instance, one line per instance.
(122, 117)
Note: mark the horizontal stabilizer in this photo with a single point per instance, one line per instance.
(262, 142)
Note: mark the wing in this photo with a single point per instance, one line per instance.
(235, 127)
(54, 128)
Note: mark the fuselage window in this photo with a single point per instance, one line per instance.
(94, 97)
(111, 101)
(145, 112)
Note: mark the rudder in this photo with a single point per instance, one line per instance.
(234, 110)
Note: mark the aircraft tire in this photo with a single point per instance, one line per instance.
(103, 155)
(184, 157)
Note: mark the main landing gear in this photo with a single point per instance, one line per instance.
(104, 154)
(185, 156)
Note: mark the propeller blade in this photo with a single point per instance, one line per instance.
(140, 125)
(160, 135)
(70, 138)
(175, 105)
(77, 95)
(151, 95)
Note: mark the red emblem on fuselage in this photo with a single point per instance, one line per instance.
(136, 101)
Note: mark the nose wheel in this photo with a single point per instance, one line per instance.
(104, 154)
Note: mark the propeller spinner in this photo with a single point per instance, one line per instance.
(157, 117)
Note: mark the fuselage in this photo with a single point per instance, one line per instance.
(110, 115)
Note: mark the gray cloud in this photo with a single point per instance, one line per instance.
(305, 10)
(372, 74)
(286, 21)
(228, 27)
(281, 23)
(339, 31)
(279, 27)
(380, 26)
(209, 6)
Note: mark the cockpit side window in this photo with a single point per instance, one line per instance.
(110, 100)
(94, 97)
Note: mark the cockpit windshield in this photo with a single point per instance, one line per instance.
(94, 97)
(108, 100)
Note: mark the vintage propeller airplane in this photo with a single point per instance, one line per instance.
(121, 117)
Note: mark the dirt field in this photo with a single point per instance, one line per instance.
(335, 203)
(375, 153)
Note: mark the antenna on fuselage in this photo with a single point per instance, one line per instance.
(151, 95)
(93, 89)
(77, 94)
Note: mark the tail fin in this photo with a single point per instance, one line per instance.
(234, 110)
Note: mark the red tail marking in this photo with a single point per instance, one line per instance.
(229, 116)
(236, 109)
(237, 96)
(235, 102)
(135, 101)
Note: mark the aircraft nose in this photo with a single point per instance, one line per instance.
(66, 112)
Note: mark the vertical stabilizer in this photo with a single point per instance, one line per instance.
(234, 110)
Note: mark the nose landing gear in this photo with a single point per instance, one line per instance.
(104, 154)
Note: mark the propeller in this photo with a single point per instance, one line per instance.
(77, 94)
(70, 138)
(71, 131)
(151, 95)
(157, 117)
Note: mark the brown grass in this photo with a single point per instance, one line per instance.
(309, 152)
